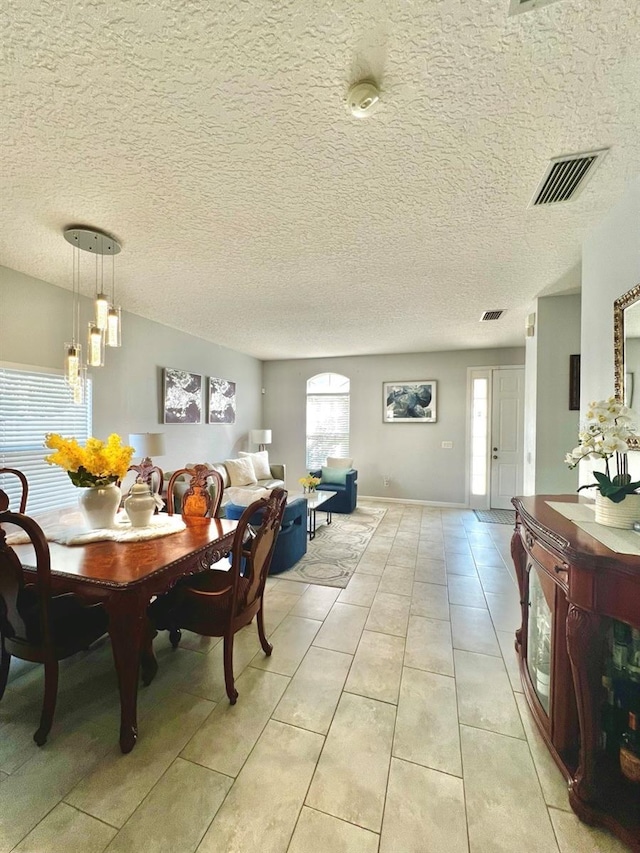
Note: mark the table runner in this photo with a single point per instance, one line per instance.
(161, 525)
(620, 541)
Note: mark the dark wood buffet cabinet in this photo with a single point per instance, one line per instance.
(574, 591)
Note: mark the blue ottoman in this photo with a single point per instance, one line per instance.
(291, 543)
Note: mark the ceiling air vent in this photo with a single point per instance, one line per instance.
(517, 6)
(565, 177)
(492, 315)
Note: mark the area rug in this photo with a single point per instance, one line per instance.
(496, 516)
(333, 555)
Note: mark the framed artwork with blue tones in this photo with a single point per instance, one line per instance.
(411, 402)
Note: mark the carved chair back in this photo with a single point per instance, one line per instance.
(24, 483)
(34, 625)
(197, 500)
(12, 584)
(147, 472)
(256, 545)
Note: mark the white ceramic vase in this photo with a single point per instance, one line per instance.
(99, 505)
(621, 515)
(140, 505)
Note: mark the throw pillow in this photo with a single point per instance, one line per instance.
(241, 472)
(339, 462)
(335, 476)
(244, 497)
(260, 463)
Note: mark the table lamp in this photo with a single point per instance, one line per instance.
(146, 445)
(261, 437)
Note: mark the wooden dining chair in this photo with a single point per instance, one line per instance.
(197, 500)
(146, 471)
(34, 624)
(24, 483)
(218, 604)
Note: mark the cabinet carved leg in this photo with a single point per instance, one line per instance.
(584, 644)
(519, 557)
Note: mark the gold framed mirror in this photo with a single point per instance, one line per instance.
(626, 349)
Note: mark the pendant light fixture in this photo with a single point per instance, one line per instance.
(105, 327)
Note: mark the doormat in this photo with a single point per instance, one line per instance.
(335, 552)
(496, 516)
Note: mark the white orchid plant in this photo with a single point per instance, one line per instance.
(606, 432)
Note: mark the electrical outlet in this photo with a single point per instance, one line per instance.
(447, 445)
(386, 480)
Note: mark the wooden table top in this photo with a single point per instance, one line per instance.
(115, 564)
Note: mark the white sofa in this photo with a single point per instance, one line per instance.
(231, 493)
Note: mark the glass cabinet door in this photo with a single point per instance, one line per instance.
(539, 650)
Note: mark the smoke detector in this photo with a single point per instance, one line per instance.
(363, 99)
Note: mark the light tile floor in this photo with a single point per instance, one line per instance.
(389, 718)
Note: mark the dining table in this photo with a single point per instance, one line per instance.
(125, 576)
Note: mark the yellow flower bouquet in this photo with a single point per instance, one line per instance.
(309, 482)
(98, 463)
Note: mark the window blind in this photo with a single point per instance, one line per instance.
(31, 405)
(327, 428)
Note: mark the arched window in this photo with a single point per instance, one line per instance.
(327, 418)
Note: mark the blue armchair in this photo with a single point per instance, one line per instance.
(346, 499)
(291, 544)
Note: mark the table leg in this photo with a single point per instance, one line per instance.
(329, 517)
(127, 619)
(312, 523)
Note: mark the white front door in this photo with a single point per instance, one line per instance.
(507, 436)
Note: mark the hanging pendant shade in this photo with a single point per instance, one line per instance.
(72, 362)
(95, 346)
(102, 311)
(113, 336)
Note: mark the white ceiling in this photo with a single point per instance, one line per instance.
(213, 140)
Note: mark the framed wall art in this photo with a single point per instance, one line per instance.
(222, 401)
(182, 397)
(409, 402)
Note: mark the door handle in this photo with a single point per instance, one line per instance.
(494, 457)
(494, 449)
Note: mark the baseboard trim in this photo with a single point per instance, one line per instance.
(411, 501)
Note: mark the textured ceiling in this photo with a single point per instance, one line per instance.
(212, 139)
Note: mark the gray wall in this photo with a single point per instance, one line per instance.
(35, 321)
(410, 453)
(610, 267)
(551, 427)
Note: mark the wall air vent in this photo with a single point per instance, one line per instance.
(565, 177)
(517, 6)
(492, 315)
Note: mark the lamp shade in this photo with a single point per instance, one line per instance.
(147, 443)
(261, 436)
